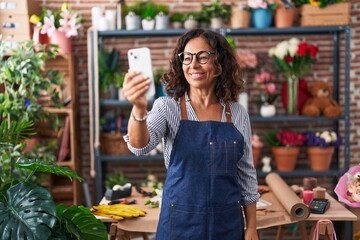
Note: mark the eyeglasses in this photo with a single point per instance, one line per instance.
(202, 57)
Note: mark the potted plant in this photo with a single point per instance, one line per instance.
(285, 14)
(240, 16)
(109, 72)
(285, 147)
(262, 12)
(191, 20)
(133, 16)
(177, 20)
(267, 93)
(149, 11)
(162, 17)
(59, 25)
(320, 148)
(23, 204)
(217, 12)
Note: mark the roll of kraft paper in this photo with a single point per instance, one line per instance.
(292, 203)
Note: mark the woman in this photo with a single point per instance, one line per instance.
(207, 141)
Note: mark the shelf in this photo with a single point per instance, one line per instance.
(339, 38)
(304, 173)
(228, 31)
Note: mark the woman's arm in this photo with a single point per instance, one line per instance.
(250, 217)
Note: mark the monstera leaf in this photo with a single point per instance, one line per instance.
(28, 213)
(80, 223)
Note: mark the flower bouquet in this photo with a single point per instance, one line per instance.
(320, 148)
(267, 87)
(294, 59)
(348, 187)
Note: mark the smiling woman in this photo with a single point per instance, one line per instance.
(203, 83)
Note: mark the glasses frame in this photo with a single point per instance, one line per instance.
(196, 56)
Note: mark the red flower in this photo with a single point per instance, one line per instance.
(289, 58)
(302, 49)
(313, 50)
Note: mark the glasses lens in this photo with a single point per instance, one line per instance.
(202, 57)
(186, 58)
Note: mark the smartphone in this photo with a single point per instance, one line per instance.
(140, 60)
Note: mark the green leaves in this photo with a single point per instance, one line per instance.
(80, 223)
(27, 213)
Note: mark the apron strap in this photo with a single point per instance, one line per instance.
(183, 108)
(184, 113)
(228, 112)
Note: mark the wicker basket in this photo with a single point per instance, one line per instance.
(113, 144)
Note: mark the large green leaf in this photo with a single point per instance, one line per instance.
(28, 213)
(47, 168)
(80, 223)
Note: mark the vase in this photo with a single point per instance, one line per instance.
(262, 18)
(60, 39)
(161, 21)
(267, 110)
(216, 22)
(285, 157)
(148, 24)
(132, 21)
(39, 37)
(320, 158)
(292, 95)
(191, 23)
(256, 152)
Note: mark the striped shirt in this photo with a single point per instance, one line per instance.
(163, 122)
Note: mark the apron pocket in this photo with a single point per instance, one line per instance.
(224, 156)
(227, 222)
(188, 222)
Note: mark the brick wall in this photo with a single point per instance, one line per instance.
(138, 172)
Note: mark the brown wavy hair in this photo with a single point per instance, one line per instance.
(229, 82)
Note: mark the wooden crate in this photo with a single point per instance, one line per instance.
(334, 14)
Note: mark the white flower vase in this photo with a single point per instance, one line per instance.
(148, 24)
(161, 21)
(132, 21)
(267, 110)
(121, 95)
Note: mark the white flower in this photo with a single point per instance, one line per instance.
(271, 52)
(294, 41)
(281, 49)
(333, 136)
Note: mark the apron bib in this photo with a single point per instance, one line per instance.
(201, 195)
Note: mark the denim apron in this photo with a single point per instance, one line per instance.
(202, 196)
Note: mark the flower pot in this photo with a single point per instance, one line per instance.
(240, 18)
(256, 152)
(39, 37)
(262, 18)
(284, 18)
(285, 158)
(161, 21)
(148, 24)
(191, 23)
(216, 23)
(177, 25)
(132, 21)
(65, 43)
(267, 110)
(320, 158)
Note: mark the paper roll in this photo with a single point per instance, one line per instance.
(292, 203)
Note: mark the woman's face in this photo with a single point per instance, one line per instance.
(200, 76)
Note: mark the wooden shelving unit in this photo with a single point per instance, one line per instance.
(64, 190)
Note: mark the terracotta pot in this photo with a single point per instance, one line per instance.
(240, 18)
(320, 158)
(256, 152)
(59, 38)
(39, 37)
(284, 18)
(285, 158)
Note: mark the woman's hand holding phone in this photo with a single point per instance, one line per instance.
(135, 87)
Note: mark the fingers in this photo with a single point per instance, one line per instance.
(135, 86)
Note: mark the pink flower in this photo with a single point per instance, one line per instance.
(246, 59)
(49, 26)
(68, 23)
(256, 141)
(270, 88)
